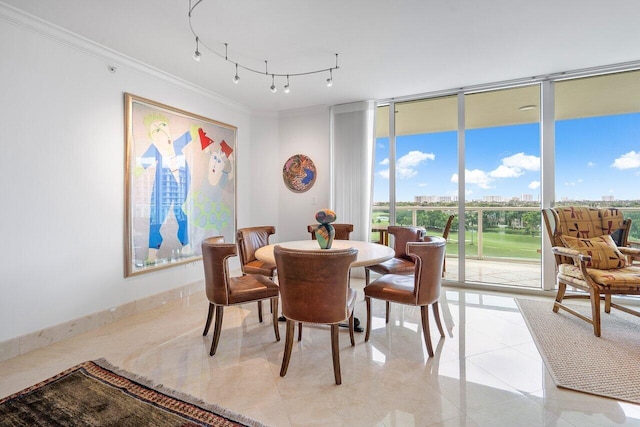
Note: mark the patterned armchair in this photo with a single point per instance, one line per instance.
(590, 248)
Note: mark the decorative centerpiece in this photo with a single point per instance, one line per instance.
(325, 231)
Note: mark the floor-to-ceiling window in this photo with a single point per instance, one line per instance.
(596, 161)
(597, 142)
(502, 186)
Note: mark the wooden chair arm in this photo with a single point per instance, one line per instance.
(571, 253)
(634, 253)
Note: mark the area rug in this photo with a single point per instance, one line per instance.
(96, 393)
(578, 360)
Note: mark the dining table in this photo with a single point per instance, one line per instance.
(368, 254)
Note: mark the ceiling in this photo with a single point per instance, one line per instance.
(386, 49)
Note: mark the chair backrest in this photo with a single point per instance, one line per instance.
(585, 222)
(403, 235)
(215, 254)
(250, 239)
(343, 231)
(313, 284)
(447, 228)
(429, 258)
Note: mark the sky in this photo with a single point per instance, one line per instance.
(595, 157)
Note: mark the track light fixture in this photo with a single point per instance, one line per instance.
(287, 89)
(196, 54)
(236, 78)
(194, 3)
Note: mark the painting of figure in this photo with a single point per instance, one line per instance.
(180, 184)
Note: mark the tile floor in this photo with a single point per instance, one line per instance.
(487, 371)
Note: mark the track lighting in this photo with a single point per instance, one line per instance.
(196, 54)
(287, 89)
(236, 78)
(330, 79)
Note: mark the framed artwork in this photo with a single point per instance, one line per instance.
(299, 173)
(180, 184)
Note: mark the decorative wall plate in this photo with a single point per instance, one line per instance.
(299, 173)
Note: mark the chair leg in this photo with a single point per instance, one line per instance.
(562, 288)
(288, 345)
(436, 314)
(351, 325)
(425, 329)
(368, 302)
(335, 351)
(260, 311)
(216, 329)
(212, 309)
(273, 302)
(607, 303)
(595, 311)
(386, 318)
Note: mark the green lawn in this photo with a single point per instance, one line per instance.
(495, 245)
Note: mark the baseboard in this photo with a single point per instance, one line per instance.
(25, 343)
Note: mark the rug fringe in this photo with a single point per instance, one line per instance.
(220, 410)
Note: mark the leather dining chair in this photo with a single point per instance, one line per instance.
(314, 288)
(421, 289)
(249, 240)
(223, 290)
(343, 231)
(401, 263)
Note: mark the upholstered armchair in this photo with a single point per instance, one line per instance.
(314, 288)
(223, 290)
(591, 254)
(421, 289)
(401, 263)
(249, 240)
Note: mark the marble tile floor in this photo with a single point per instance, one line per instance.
(487, 371)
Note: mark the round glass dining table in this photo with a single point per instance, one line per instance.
(368, 253)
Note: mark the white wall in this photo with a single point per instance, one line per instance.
(304, 131)
(62, 187)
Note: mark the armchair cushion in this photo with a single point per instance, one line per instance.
(602, 249)
(621, 279)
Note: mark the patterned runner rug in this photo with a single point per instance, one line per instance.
(97, 393)
(578, 360)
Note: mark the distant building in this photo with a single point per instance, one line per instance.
(526, 197)
(435, 199)
(608, 198)
(492, 199)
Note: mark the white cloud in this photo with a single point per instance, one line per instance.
(384, 174)
(504, 171)
(573, 183)
(591, 164)
(405, 166)
(534, 185)
(423, 184)
(384, 162)
(522, 161)
(628, 160)
(476, 176)
(515, 166)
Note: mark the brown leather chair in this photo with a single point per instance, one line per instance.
(223, 290)
(420, 289)
(343, 231)
(314, 289)
(401, 263)
(249, 240)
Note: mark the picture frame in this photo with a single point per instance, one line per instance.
(180, 185)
